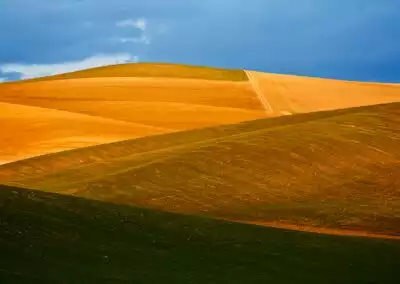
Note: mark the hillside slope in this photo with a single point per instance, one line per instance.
(48, 238)
(30, 131)
(175, 98)
(171, 103)
(334, 170)
(178, 97)
(154, 70)
(287, 94)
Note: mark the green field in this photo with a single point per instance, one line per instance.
(153, 70)
(334, 170)
(50, 238)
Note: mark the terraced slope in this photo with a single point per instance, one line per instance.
(48, 238)
(285, 94)
(332, 170)
(176, 98)
(30, 131)
(170, 103)
(153, 70)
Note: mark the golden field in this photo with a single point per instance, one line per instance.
(295, 94)
(229, 144)
(162, 98)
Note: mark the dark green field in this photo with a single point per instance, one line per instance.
(49, 238)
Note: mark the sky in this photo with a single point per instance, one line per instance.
(342, 39)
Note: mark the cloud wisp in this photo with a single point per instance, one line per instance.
(28, 71)
(142, 39)
(140, 24)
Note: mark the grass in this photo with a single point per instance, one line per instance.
(153, 70)
(50, 238)
(333, 170)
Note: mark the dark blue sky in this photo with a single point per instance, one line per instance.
(346, 39)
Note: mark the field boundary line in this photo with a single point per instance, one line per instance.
(256, 88)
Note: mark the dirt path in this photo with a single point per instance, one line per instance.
(323, 231)
(257, 90)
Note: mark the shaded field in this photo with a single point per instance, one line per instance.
(163, 70)
(335, 170)
(30, 131)
(49, 238)
(297, 94)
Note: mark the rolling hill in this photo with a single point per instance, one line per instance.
(50, 238)
(333, 170)
(173, 103)
(153, 70)
(162, 173)
(31, 131)
(172, 98)
(288, 94)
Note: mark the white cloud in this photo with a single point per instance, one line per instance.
(140, 24)
(142, 39)
(38, 70)
(2, 80)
